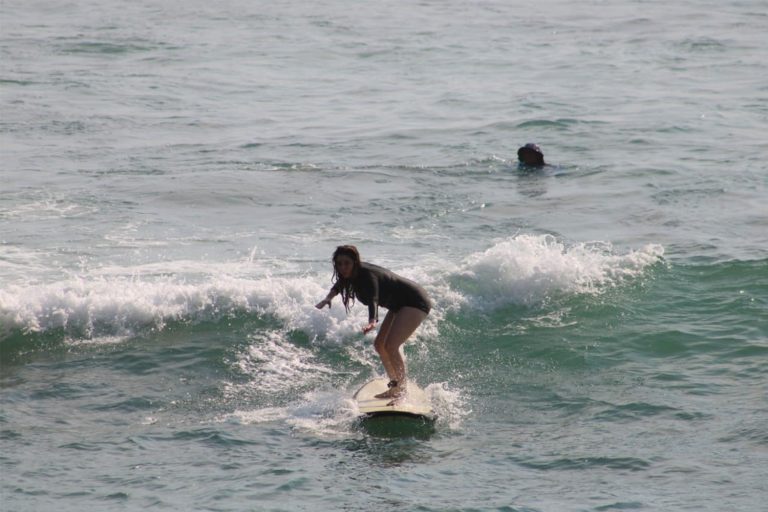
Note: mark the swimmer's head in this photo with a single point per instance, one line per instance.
(531, 155)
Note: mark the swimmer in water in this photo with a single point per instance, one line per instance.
(374, 286)
(531, 155)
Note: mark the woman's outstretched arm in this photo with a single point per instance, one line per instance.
(327, 300)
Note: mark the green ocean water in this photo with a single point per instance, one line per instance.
(176, 177)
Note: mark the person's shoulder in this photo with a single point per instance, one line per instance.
(371, 267)
(375, 271)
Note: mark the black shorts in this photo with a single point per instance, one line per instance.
(410, 295)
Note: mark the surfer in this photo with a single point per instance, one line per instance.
(374, 286)
(531, 155)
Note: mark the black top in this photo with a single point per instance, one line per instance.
(376, 286)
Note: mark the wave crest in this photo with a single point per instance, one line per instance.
(527, 269)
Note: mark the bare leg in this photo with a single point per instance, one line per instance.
(380, 343)
(404, 323)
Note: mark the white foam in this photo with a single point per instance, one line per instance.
(256, 416)
(275, 366)
(109, 304)
(527, 269)
(17, 264)
(45, 208)
(327, 413)
(118, 301)
(118, 305)
(333, 413)
(449, 405)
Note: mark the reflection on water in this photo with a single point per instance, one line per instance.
(390, 441)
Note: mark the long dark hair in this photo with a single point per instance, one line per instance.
(344, 286)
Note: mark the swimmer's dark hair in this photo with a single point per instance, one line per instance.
(344, 286)
(534, 150)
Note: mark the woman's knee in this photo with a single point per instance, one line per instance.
(392, 348)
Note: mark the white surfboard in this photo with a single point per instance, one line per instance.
(415, 404)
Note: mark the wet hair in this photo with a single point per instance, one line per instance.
(531, 148)
(344, 286)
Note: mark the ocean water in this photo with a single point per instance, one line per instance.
(176, 175)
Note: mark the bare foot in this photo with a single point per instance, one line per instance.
(395, 392)
(399, 398)
(390, 393)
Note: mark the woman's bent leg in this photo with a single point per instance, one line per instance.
(404, 323)
(380, 343)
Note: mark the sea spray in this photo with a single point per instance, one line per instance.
(527, 269)
(524, 269)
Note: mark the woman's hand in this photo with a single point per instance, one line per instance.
(368, 328)
(323, 303)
